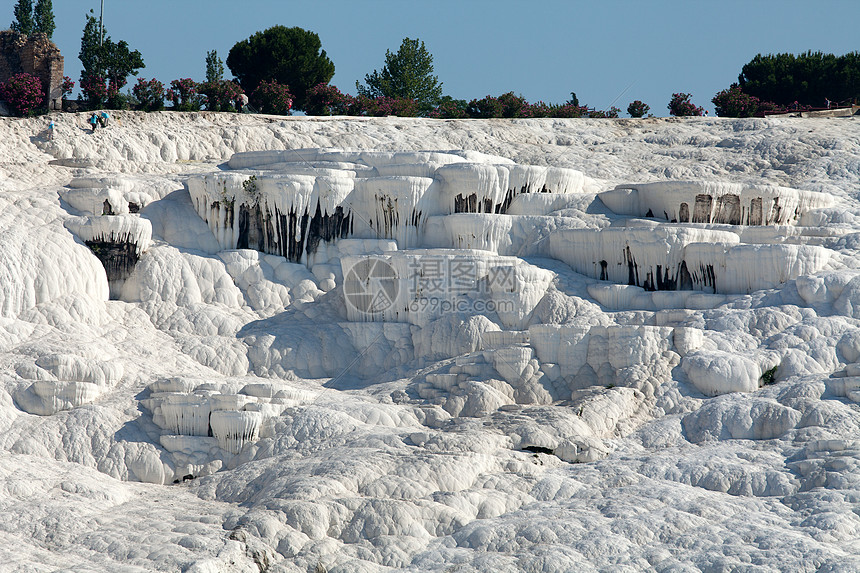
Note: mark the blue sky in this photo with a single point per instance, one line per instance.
(541, 50)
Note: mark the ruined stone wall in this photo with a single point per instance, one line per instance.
(36, 55)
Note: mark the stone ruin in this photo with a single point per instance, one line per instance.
(36, 55)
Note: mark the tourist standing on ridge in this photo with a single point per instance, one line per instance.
(94, 121)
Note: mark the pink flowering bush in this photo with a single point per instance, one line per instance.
(23, 92)
(272, 97)
(681, 106)
(565, 110)
(612, 112)
(384, 106)
(220, 94)
(149, 94)
(184, 95)
(68, 86)
(511, 105)
(325, 99)
(638, 108)
(485, 108)
(733, 102)
(381, 106)
(514, 105)
(449, 108)
(94, 89)
(541, 109)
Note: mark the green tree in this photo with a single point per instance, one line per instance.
(805, 78)
(120, 62)
(291, 56)
(406, 74)
(91, 46)
(23, 17)
(43, 16)
(214, 67)
(103, 61)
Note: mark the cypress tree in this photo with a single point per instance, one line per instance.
(23, 17)
(43, 16)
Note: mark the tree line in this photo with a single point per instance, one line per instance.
(281, 69)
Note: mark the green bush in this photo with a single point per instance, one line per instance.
(768, 377)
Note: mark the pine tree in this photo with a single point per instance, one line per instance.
(290, 56)
(23, 17)
(43, 16)
(406, 74)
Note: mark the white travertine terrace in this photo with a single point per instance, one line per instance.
(683, 258)
(234, 429)
(339, 351)
(115, 229)
(714, 202)
(292, 211)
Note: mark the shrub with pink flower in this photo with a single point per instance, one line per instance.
(325, 99)
(638, 108)
(272, 97)
(149, 94)
(514, 105)
(94, 89)
(612, 112)
(565, 110)
(184, 96)
(449, 108)
(68, 86)
(485, 108)
(681, 106)
(733, 102)
(220, 94)
(23, 92)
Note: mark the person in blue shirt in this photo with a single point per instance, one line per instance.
(103, 119)
(94, 121)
